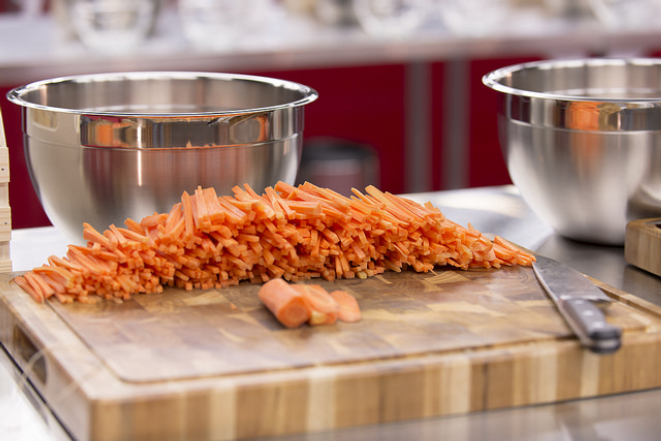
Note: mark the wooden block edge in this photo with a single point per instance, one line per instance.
(642, 244)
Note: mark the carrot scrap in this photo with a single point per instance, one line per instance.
(349, 309)
(324, 309)
(293, 233)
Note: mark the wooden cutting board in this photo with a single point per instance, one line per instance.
(214, 364)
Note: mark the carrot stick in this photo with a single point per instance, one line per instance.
(189, 221)
(89, 233)
(133, 225)
(235, 215)
(202, 217)
(215, 211)
(29, 288)
(285, 302)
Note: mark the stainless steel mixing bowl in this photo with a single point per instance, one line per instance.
(101, 148)
(582, 141)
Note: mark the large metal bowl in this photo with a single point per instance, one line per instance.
(582, 141)
(102, 148)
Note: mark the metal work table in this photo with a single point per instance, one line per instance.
(497, 210)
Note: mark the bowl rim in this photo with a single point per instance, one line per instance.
(493, 79)
(308, 94)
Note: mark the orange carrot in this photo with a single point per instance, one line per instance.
(349, 309)
(324, 310)
(285, 302)
(294, 233)
(33, 291)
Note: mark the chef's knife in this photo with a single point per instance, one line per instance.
(576, 298)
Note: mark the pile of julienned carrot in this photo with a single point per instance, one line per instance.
(294, 233)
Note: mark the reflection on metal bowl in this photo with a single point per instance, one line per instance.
(582, 140)
(101, 148)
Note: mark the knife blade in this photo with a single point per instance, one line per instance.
(576, 298)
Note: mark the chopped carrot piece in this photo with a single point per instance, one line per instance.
(349, 309)
(285, 302)
(324, 310)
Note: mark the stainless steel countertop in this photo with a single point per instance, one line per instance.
(497, 210)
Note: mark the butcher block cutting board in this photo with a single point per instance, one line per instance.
(214, 364)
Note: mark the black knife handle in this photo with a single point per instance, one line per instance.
(589, 323)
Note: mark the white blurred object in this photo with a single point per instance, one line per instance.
(567, 8)
(220, 23)
(335, 12)
(111, 25)
(473, 17)
(299, 7)
(391, 17)
(627, 14)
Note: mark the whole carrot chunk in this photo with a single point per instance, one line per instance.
(349, 309)
(285, 302)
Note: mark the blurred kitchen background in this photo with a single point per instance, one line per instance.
(401, 101)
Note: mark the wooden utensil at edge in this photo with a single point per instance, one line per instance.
(642, 244)
(5, 209)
